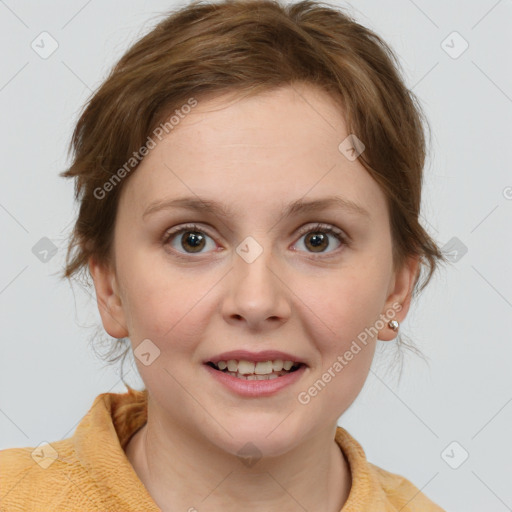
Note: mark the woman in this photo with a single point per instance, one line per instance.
(249, 179)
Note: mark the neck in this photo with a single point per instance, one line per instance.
(313, 476)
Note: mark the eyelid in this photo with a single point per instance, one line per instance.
(322, 226)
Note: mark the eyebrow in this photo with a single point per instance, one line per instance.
(296, 207)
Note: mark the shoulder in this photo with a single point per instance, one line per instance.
(374, 488)
(88, 471)
(402, 494)
(44, 477)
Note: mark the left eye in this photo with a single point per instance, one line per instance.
(316, 239)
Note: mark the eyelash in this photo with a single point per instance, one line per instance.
(319, 228)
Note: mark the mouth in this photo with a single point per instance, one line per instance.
(256, 370)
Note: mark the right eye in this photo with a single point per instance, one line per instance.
(192, 239)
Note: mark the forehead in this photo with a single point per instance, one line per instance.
(274, 147)
(288, 121)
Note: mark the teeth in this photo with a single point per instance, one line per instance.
(261, 368)
(287, 365)
(256, 377)
(277, 365)
(245, 367)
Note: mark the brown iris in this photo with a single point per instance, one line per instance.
(194, 239)
(317, 241)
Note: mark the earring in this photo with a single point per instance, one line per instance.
(393, 324)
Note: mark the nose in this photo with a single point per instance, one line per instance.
(256, 294)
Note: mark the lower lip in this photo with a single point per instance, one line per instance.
(256, 388)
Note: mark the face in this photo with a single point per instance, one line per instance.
(246, 272)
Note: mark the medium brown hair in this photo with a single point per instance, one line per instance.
(247, 47)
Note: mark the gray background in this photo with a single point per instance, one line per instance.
(49, 376)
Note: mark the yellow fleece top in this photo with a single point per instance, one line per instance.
(90, 471)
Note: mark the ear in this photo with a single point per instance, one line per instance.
(109, 302)
(400, 293)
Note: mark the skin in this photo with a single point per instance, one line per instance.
(290, 298)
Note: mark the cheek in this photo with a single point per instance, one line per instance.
(344, 312)
(163, 305)
(345, 304)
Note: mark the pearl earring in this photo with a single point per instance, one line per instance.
(393, 324)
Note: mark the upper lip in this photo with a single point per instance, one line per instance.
(246, 355)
